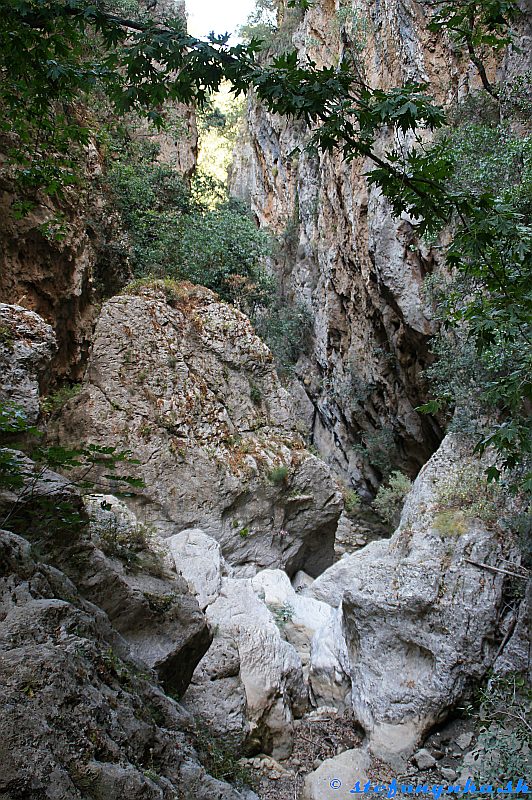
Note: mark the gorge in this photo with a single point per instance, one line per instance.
(249, 547)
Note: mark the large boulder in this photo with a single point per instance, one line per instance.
(297, 616)
(198, 558)
(27, 345)
(422, 618)
(113, 561)
(79, 718)
(185, 384)
(250, 683)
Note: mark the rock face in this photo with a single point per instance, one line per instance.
(357, 269)
(79, 719)
(268, 684)
(27, 345)
(61, 259)
(112, 563)
(190, 390)
(419, 621)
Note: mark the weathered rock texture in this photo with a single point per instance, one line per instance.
(80, 719)
(114, 565)
(190, 390)
(358, 270)
(27, 345)
(54, 276)
(421, 623)
(250, 684)
(64, 256)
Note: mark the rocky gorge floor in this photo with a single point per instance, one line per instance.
(215, 591)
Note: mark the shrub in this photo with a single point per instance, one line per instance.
(286, 328)
(352, 501)
(390, 499)
(467, 492)
(263, 24)
(379, 449)
(481, 376)
(175, 232)
(171, 289)
(219, 757)
(223, 250)
(55, 402)
(255, 394)
(282, 614)
(278, 474)
(504, 743)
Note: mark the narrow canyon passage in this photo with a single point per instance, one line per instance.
(265, 399)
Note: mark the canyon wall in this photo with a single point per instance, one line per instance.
(357, 269)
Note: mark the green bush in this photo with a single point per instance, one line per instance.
(275, 34)
(220, 757)
(287, 329)
(390, 499)
(505, 740)
(468, 493)
(278, 474)
(54, 402)
(223, 250)
(481, 375)
(174, 233)
(352, 501)
(282, 614)
(379, 449)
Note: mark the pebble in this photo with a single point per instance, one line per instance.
(464, 740)
(448, 773)
(423, 759)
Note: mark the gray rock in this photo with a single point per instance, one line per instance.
(424, 759)
(448, 773)
(109, 558)
(251, 681)
(174, 384)
(336, 776)
(27, 345)
(464, 740)
(418, 620)
(78, 716)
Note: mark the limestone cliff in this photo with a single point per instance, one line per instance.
(184, 383)
(358, 270)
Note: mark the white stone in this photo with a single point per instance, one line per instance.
(301, 581)
(334, 779)
(299, 617)
(268, 678)
(417, 617)
(198, 558)
(329, 678)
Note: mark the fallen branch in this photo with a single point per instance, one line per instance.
(496, 569)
